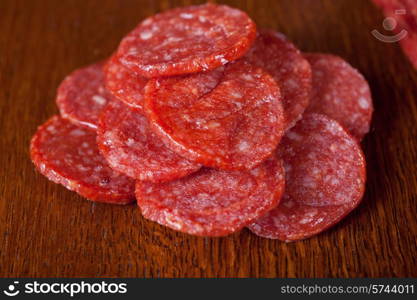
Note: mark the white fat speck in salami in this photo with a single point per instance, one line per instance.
(124, 84)
(68, 155)
(340, 92)
(325, 180)
(213, 202)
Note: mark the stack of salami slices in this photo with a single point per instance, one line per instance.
(212, 126)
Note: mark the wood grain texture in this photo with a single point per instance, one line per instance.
(47, 231)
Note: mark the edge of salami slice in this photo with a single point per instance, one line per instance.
(82, 95)
(293, 221)
(325, 180)
(124, 84)
(212, 202)
(67, 154)
(187, 40)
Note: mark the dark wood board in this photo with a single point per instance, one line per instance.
(47, 231)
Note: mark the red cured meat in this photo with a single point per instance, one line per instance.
(213, 202)
(405, 22)
(124, 84)
(292, 221)
(341, 93)
(67, 154)
(187, 40)
(325, 180)
(227, 120)
(130, 147)
(284, 62)
(81, 96)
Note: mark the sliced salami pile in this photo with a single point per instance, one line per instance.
(212, 126)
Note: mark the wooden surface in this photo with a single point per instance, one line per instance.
(46, 230)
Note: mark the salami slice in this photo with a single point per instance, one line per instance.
(284, 62)
(293, 221)
(227, 120)
(124, 84)
(340, 92)
(67, 154)
(187, 40)
(213, 202)
(130, 147)
(404, 27)
(325, 180)
(81, 96)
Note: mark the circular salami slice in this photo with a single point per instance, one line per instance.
(325, 180)
(124, 84)
(67, 154)
(187, 40)
(284, 62)
(340, 92)
(213, 202)
(81, 96)
(227, 120)
(130, 147)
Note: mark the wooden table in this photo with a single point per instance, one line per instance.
(46, 230)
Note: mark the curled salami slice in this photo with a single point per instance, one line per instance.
(340, 92)
(130, 147)
(187, 40)
(124, 84)
(284, 62)
(81, 96)
(228, 120)
(325, 180)
(67, 154)
(213, 202)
